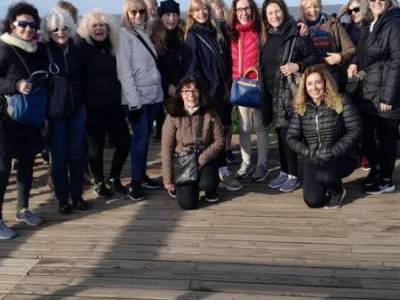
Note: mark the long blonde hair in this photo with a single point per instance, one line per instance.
(190, 21)
(97, 15)
(128, 6)
(332, 98)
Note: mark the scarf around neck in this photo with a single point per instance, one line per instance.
(13, 40)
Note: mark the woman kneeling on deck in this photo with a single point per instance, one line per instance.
(188, 112)
(325, 130)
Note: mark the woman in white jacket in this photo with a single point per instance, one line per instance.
(141, 86)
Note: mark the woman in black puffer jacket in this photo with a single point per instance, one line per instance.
(325, 129)
(378, 54)
(102, 92)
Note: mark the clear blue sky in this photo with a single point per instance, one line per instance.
(114, 6)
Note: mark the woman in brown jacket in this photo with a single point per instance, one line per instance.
(181, 124)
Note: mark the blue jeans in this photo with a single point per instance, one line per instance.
(141, 128)
(67, 147)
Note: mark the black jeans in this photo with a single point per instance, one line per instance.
(287, 158)
(380, 142)
(109, 121)
(24, 178)
(188, 194)
(317, 179)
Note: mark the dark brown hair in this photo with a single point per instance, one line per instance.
(265, 24)
(233, 19)
(17, 9)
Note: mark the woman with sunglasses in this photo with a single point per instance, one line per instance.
(18, 46)
(188, 112)
(329, 38)
(102, 93)
(353, 27)
(67, 122)
(207, 58)
(378, 54)
(141, 88)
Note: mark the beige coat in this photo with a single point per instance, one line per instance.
(178, 135)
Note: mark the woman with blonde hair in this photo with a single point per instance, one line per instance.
(329, 37)
(325, 129)
(207, 58)
(141, 88)
(67, 113)
(102, 93)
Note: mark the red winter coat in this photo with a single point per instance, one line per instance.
(249, 51)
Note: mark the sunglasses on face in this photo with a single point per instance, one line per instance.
(58, 29)
(355, 10)
(138, 11)
(24, 24)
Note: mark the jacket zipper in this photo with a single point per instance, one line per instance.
(67, 71)
(317, 124)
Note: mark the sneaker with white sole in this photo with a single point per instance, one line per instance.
(211, 197)
(278, 180)
(28, 217)
(260, 173)
(229, 183)
(381, 187)
(335, 199)
(244, 171)
(290, 184)
(6, 233)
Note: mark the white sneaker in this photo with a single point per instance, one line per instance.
(244, 171)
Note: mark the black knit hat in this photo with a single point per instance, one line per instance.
(168, 6)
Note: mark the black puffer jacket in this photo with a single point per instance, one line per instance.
(379, 54)
(101, 87)
(280, 98)
(324, 135)
(16, 137)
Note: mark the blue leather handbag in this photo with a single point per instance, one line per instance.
(246, 92)
(29, 109)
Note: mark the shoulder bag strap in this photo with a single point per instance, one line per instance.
(197, 138)
(21, 59)
(53, 68)
(240, 58)
(141, 39)
(291, 49)
(220, 68)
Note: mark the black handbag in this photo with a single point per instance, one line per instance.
(354, 84)
(184, 164)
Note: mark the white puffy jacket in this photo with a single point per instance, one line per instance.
(137, 70)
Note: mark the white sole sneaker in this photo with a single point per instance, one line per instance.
(229, 187)
(388, 189)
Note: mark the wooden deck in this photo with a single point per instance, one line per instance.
(255, 244)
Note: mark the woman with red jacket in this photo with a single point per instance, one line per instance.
(245, 27)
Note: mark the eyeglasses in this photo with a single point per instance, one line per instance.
(58, 29)
(355, 10)
(372, 1)
(190, 92)
(138, 11)
(24, 24)
(241, 10)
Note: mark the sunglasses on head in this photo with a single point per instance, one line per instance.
(24, 24)
(138, 11)
(355, 9)
(62, 29)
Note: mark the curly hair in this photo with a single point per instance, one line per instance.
(58, 17)
(233, 19)
(332, 97)
(17, 9)
(97, 15)
(266, 26)
(174, 106)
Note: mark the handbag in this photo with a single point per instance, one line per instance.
(354, 84)
(244, 91)
(29, 109)
(184, 164)
(59, 89)
(294, 78)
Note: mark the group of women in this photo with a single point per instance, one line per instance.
(159, 67)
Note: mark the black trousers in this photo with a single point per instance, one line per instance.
(317, 179)
(287, 158)
(24, 177)
(188, 194)
(109, 121)
(380, 142)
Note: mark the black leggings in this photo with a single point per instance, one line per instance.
(380, 142)
(317, 179)
(188, 194)
(111, 121)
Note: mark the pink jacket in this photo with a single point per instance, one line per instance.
(249, 51)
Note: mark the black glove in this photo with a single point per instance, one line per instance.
(134, 113)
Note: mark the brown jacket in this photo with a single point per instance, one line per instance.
(342, 42)
(178, 134)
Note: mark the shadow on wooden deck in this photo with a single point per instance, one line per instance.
(255, 244)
